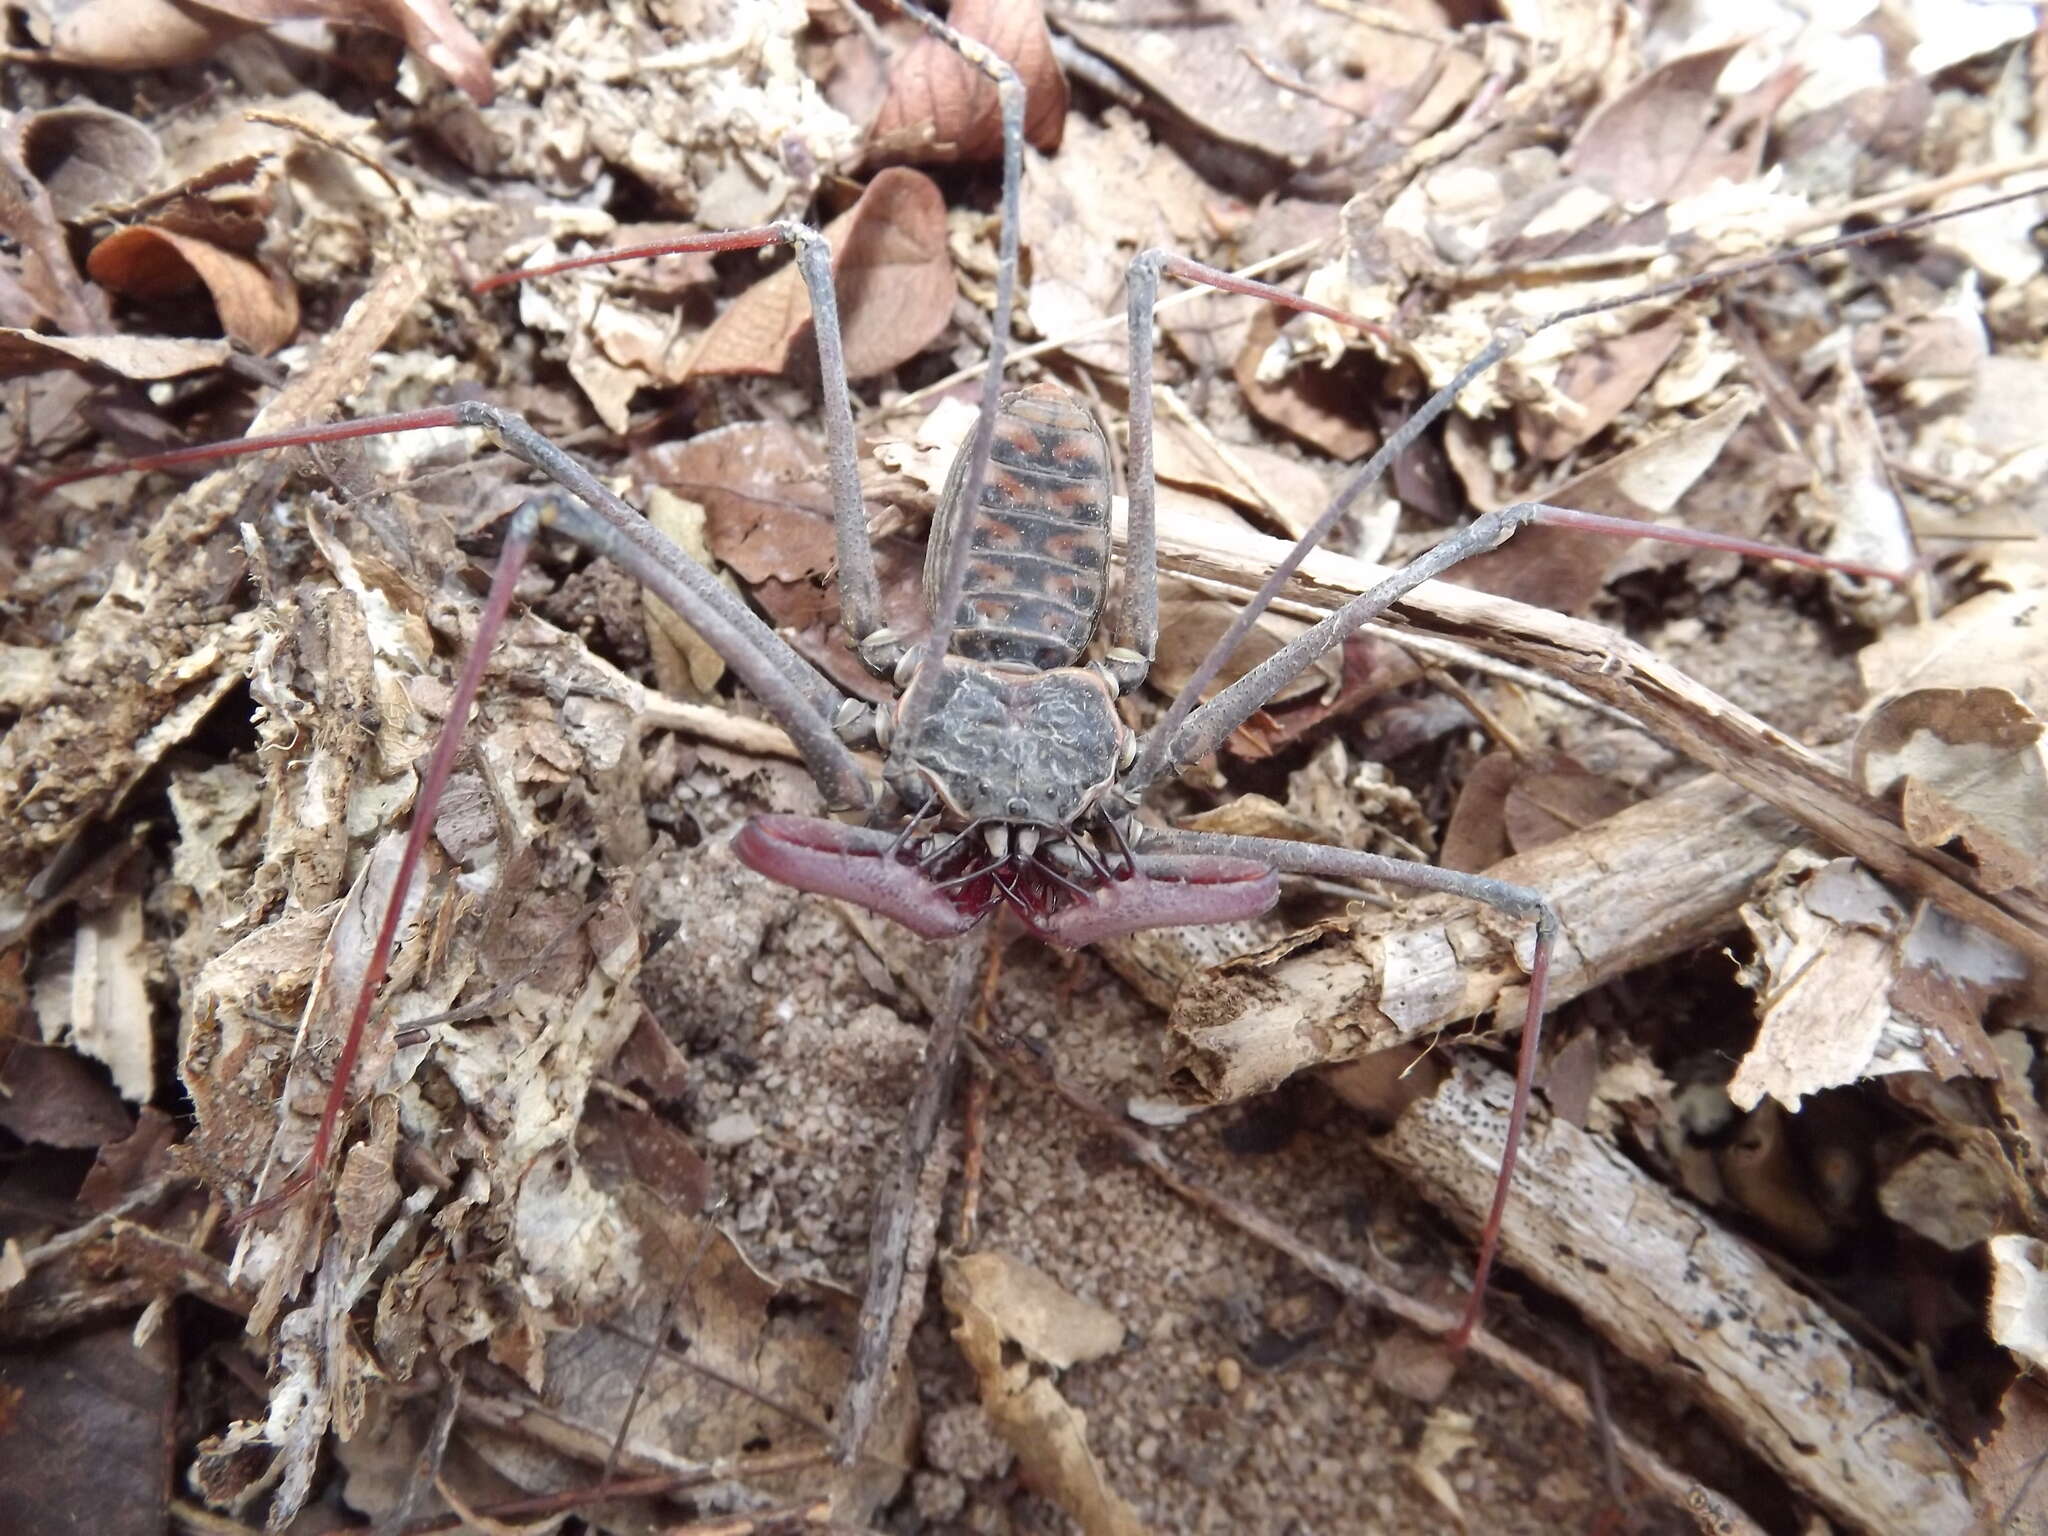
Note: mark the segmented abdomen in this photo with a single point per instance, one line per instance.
(1040, 535)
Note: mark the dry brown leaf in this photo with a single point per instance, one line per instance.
(1850, 989)
(1969, 766)
(47, 283)
(151, 264)
(1273, 78)
(132, 357)
(766, 515)
(87, 157)
(1321, 406)
(128, 34)
(1191, 620)
(2006, 1468)
(1507, 806)
(940, 110)
(1565, 570)
(1997, 638)
(1049, 1435)
(161, 34)
(894, 279)
(1598, 384)
(1669, 135)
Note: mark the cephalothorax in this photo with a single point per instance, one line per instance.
(1007, 785)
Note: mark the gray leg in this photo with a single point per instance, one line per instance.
(790, 688)
(1345, 864)
(876, 1346)
(1134, 636)
(860, 593)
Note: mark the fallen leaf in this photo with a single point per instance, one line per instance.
(1319, 405)
(49, 1095)
(1852, 495)
(1272, 78)
(942, 110)
(162, 34)
(143, 358)
(2006, 1467)
(766, 513)
(1847, 986)
(47, 282)
(146, 263)
(1671, 135)
(894, 278)
(1566, 570)
(88, 157)
(1114, 190)
(1999, 638)
(1191, 621)
(1049, 1435)
(1445, 1436)
(89, 1451)
(1968, 766)
(1597, 384)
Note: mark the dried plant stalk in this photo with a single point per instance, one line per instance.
(1692, 1301)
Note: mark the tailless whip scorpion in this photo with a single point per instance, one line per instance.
(1010, 781)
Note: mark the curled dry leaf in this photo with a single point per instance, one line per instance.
(87, 157)
(894, 279)
(940, 110)
(1049, 1435)
(1968, 766)
(161, 34)
(152, 264)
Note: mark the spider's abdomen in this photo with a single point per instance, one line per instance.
(1039, 535)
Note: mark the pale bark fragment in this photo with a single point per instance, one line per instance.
(1674, 1291)
(1654, 881)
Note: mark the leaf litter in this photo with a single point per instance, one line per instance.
(254, 692)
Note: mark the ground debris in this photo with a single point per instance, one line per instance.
(599, 1212)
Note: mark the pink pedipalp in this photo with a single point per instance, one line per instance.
(855, 864)
(1166, 891)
